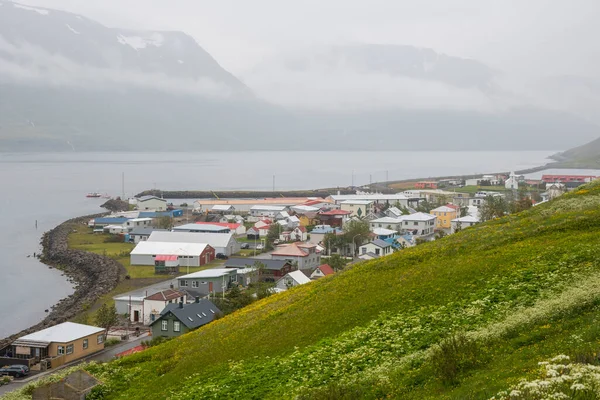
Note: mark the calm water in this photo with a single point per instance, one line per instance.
(51, 188)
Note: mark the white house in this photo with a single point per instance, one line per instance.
(321, 271)
(137, 223)
(189, 254)
(223, 243)
(377, 247)
(512, 183)
(293, 221)
(282, 215)
(387, 223)
(357, 208)
(154, 304)
(151, 203)
(304, 254)
(266, 211)
(132, 305)
(462, 223)
(222, 208)
(292, 279)
(298, 233)
(115, 229)
(378, 198)
(419, 224)
(393, 212)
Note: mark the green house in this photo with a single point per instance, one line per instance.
(177, 319)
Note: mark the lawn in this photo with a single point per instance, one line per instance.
(475, 189)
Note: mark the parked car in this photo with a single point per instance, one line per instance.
(259, 247)
(17, 371)
(221, 256)
(245, 246)
(276, 241)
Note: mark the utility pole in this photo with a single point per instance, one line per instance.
(387, 179)
(352, 178)
(123, 186)
(273, 183)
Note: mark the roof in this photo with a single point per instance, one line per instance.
(149, 197)
(192, 315)
(326, 269)
(359, 202)
(293, 218)
(222, 207)
(109, 220)
(171, 248)
(214, 239)
(368, 196)
(284, 214)
(468, 218)
(395, 211)
(387, 220)
(444, 209)
(292, 250)
(298, 276)
(322, 229)
(380, 243)
(383, 231)
(139, 219)
(231, 226)
(301, 228)
(250, 262)
(335, 212)
(312, 202)
(210, 227)
(165, 257)
(268, 208)
(305, 208)
(143, 230)
(209, 273)
(62, 333)
(165, 295)
(418, 217)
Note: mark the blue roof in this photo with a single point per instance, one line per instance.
(157, 214)
(105, 220)
(381, 243)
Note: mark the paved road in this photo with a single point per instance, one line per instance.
(104, 356)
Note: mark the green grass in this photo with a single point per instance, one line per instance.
(475, 189)
(520, 290)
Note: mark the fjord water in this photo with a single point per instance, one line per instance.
(50, 188)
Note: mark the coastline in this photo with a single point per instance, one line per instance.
(93, 274)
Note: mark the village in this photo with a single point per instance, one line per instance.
(214, 256)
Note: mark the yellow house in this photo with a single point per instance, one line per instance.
(61, 343)
(358, 208)
(308, 219)
(445, 214)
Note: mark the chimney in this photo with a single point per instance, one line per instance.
(171, 286)
(197, 299)
(181, 304)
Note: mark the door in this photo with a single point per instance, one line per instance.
(136, 316)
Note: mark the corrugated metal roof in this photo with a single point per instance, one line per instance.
(62, 333)
(214, 239)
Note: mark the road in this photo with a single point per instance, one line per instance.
(103, 356)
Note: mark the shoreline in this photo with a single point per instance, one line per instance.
(93, 275)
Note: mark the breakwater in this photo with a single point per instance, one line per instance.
(93, 274)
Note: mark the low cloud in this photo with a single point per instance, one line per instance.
(24, 63)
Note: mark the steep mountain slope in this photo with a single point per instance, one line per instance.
(463, 317)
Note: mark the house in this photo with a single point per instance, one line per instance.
(267, 270)
(377, 247)
(309, 218)
(406, 240)
(368, 256)
(151, 203)
(137, 235)
(383, 233)
(463, 222)
(292, 279)
(553, 190)
(303, 254)
(567, 178)
(177, 319)
(105, 221)
(63, 343)
(257, 233)
(222, 208)
(376, 198)
(224, 243)
(155, 303)
(215, 280)
(202, 228)
(76, 385)
(266, 210)
(321, 271)
(334, 217)
(512, 183)
(235, 228)
(393, 212)
(293, 221)
(137, 223)
(166, 264)
(160, 214)
(303, 209)
(237, 219)
(317, 235)
(115, 229)
(282, 215)
(358, 208)
(444, 215)
(188, 254)
(299, 234)
(419, 224)
(395, 224)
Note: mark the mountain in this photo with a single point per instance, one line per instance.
(69, 83)
(466, 316)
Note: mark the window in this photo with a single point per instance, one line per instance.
(415, 223)
(194, 284)
(100, 339)
(69, 349)
(164, 326)
(377, 251)
(176, 326)
(184, 283)
(85, 344)
(61, 350)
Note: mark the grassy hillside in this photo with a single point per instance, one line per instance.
(467, 316)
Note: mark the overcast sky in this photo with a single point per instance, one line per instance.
(522, 36)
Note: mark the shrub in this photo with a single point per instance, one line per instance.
(455, 355)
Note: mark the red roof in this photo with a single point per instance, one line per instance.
(453, 206)
(302, 228)
(290, 250)
(165, 295)
(165, 257)
(336, 212)
(135, 349)
(312, 202)
(233, 227)
(326, 269)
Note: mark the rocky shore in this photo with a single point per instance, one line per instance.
(93, 274)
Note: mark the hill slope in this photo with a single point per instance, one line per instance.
(463, 317)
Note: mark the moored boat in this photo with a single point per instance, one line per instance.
(93, 194)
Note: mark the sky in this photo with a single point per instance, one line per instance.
(526, 37)
(262, 42)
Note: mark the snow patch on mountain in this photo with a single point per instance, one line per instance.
(138, 42)
(37, 10)
(72, 30)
